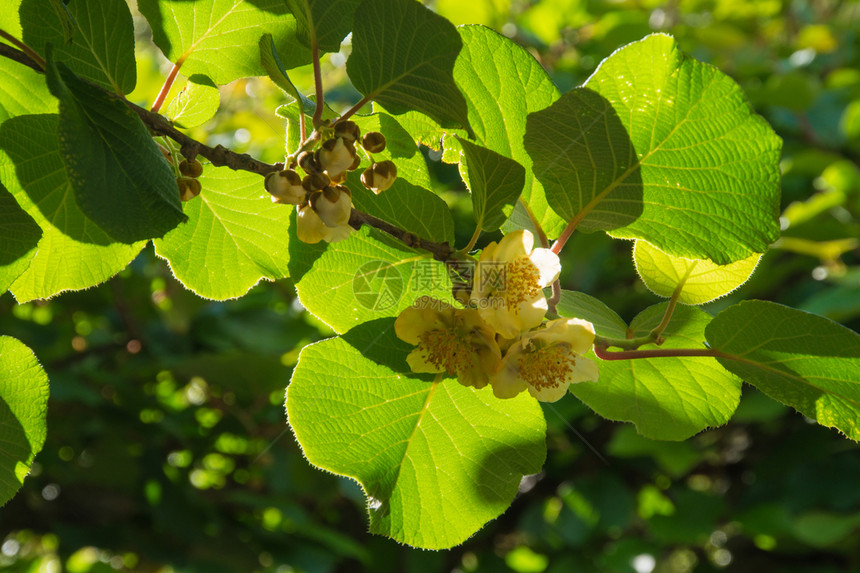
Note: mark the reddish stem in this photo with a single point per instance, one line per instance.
(168, 83)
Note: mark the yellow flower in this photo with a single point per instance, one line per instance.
(509, 279)
(451, 340)
(548, 360)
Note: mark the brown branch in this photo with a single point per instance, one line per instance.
(440, 251)
(220, 156)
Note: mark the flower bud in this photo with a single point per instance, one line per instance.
(373, 142)
(191, 168)
(379, 176)
(356, 163)
(285, 187)
(335, 156)
(333, 206)
(310, 228)
(189, 188)
(315, 181)
(308, 162)
(348, 130)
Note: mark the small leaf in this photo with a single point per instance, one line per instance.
(667, 398)
(702, 280)
(195, 104)
(403, 57)
(120, 178)
(580, 305)
(802, 360)
(658, 146)
(495, 181)
(73, 253)
(102, 40)
(368, 276)
(437, 460)
(325, 21)
(19, 235)
(235, 236)
(275, 69)
(220, 38)
(23, 407)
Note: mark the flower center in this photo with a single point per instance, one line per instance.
(522, 282)
(448, 349)
(547, 367)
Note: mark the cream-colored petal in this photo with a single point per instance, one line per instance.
(514, 245)
(584, 371)
(547, 264)
(507, 383)
(577, 333)
(531, 313)
(417, 361)
(502, 321)
(549, 393)
(413, 322)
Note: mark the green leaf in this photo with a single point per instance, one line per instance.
(19, 235)
(275, 69)
(667, 398)
(235, 236)
(503, 83)
(195, 104)
(658, 146)
(23, 91)
(102, 46)
(437, 460)
(407, 206)
(73, 253)
(326, 21)
(368, 276)
(802, 360)
(403, 57)
(702, 280)
(606, 322)
(120, 178)
(220, 38)
(23, 407)
(495, 181)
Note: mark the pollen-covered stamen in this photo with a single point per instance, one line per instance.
(447, 348)
(522, 281)
(547, 367)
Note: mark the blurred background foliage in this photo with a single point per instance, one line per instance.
(167, 445)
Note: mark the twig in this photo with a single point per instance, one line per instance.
(168, 83)
(604, 354)
(440, 251)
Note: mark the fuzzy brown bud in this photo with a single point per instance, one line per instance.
(308, 162)
(335, 156)
(191, 168)
(373, 142)
(315, 181)
(189, 188)
(348, 130)
(379, 176)
(285, 187)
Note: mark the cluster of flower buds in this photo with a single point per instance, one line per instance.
(501, 338)
(189, 186)
(324, 202)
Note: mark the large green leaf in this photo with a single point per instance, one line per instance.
(503, 83)
(195, 104)
(23, 407)
(702, 280)
(23, 91)
(219, 38)
(802, 360)
(403, 57)
(580, 305)
(325, 21)
(73, 253)
(667, 398)
(235, 236)
(120, 178)
(19, 235)
(661, 147)
(102, 41)
(495, 181)
(368, 276)
(437, 460)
